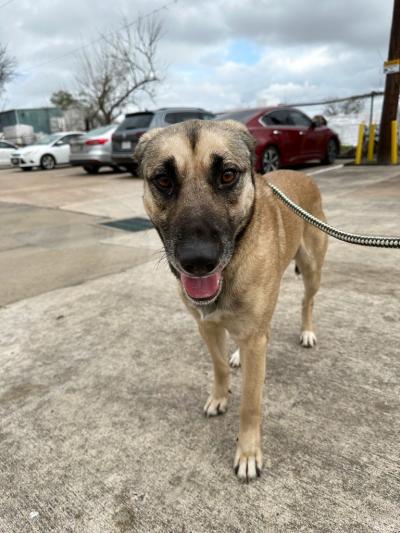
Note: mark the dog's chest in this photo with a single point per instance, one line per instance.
(211, 313)
(216, 312)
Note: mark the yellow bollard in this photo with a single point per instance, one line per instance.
(360, 142)
(371, 142)
(395, 153)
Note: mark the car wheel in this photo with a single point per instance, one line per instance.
(270, 160)
(91, 170)
(47, 162)
(26, 169)
(331, 152)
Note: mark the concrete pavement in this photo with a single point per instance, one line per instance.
(52, 231)
(102, 384)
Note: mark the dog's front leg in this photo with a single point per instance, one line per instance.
(215, 337)
(248, 458)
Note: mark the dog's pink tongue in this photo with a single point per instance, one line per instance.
(204, 287)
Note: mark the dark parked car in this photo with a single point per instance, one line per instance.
(134, 125)
(286, 136)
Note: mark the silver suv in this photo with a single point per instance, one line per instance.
(134, 125)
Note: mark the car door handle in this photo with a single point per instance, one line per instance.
(301, 132)
(276, 132)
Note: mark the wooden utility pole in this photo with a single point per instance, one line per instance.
(392, 88)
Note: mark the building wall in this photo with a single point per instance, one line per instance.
(42, 120)
(74, 119)
(24, 126)
(8, 118)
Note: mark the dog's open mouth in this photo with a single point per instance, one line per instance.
(202, 290)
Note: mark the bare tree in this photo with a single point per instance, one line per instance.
(352, 105)
(332, 109)
(347, 107)
(7, 67)
(118, 70)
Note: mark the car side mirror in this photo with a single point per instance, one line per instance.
(313, 124)
(59, 143)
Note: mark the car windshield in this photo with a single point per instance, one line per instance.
(139, 120)
(48, 139)
(241, 116)
(99, 131)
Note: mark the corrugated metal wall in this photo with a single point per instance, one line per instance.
(7, 118)
(43, 120)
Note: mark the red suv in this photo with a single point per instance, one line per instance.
(286, 136)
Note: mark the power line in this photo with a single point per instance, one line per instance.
(98, 39)
(6, 3)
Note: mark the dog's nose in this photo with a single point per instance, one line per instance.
(198, 258)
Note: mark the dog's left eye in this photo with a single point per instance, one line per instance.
(229, 176)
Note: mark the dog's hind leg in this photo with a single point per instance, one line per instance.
(309, 260)
(215, 337)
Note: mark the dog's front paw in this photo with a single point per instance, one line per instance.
(234, 360)
(215, 406)
(248, 464)
(308, 339)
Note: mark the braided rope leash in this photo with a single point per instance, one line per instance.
(353, 238)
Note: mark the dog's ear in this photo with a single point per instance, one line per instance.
(244, 133)
(142, 145)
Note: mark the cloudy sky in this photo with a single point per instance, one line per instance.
(218, 54)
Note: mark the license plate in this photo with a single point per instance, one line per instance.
(15, 161)
(126, 145)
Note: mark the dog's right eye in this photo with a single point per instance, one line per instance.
(164, 183)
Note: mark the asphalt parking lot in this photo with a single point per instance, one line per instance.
(103, 375)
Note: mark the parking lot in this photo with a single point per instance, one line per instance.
(103, 375)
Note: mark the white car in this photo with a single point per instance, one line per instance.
(6, 149)
(46, 153)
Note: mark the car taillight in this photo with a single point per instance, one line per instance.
(91, 142)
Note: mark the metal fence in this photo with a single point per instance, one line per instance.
(346, 125)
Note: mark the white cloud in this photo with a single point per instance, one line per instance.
(301, 49)
(309, 60)
(284, 92)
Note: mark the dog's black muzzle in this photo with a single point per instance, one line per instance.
(198, 249)
(198, 257)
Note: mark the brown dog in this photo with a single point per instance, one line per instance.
(228, 241)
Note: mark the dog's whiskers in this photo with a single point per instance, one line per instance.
(163, 257)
